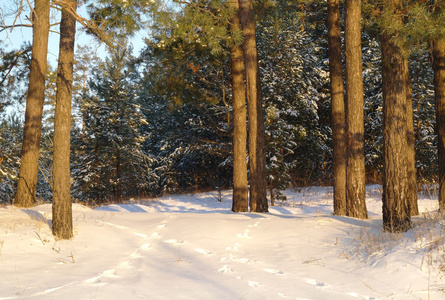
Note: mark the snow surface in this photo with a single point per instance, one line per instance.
(194, 247)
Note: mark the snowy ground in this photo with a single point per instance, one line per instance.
(194, 247)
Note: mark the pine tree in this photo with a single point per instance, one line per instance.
(26, 188)
(396, 214)
(111, 163)
(240, 186)
(439, 86)
(355, 167)
(11, 130)
(257, 156)
(61, 206)
(410, 143)
(338, 107)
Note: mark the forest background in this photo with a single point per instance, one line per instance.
(160, 121)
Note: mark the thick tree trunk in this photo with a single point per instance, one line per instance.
(62, 207)
(439, 88)
(355, 167)
(240, 188)
(396, 214)
(411, 151)
(338, 107)
(26, 187)
(257, 155)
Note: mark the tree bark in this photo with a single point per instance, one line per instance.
(439, 89)
(257, 155)
(411, 151)
(27, 183)
(62, 206)
(396, 214)
(338, 107)
(355, 166)
(240, 187)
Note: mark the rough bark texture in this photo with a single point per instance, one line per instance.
(338, 107)
(240, 187)
(26, 186)
(411, 151)
(257, 155)
(396, 214)
(62, 206)
(439, 88)
(355, 167)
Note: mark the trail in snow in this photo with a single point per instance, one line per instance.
(194, 247)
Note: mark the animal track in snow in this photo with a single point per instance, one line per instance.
(146, 246)
(234, 248)
(143, 235)
(254, 284)
(317, 283)
(245, 234)
(173, 242)
(225, 269)
(273, 271)
(202, 251)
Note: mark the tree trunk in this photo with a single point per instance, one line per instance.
(26, 186)
(439, 88)
(257, 155)
(240, 187)
(411, 151)
(338, 108)
(355, 167)
(62, 207)
(396, 214)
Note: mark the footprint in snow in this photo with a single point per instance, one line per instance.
(173, 242)
(110, 274)
(225, 269)
(143, 235)
(254, 284)
(146, 246)
(245, 234)
(317, 283)
(273, 271)
(202, 251)
(234, 248)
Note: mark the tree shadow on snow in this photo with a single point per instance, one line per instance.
(36, 216)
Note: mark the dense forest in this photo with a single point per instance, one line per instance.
(273, 93)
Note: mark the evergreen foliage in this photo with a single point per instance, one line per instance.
(11, 130)
(109, 161)
(13, 74)
(162, 122)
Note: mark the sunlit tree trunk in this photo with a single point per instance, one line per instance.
(338, 107)
(355, 167)
(257, 155)
(439, 88)
(396, 214)
(240, 187)
(411, 152)
(62, 207)
(27, 183)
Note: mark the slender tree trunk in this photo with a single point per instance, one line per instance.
(355, 167)
(411, 152)
(257, 155)
(396, 214)
(26, 186)
(439, 88)
(338, 107)
(62, 207)
(240, 188)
